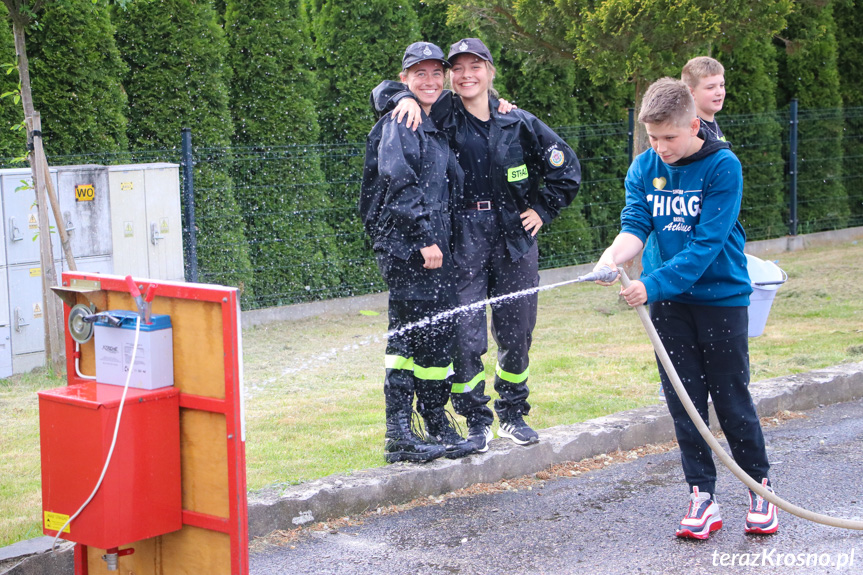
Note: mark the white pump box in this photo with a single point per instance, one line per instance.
(154, 360)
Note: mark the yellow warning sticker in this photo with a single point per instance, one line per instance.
(85, 192)
(54, 521)
(37, 311)
(127, 186)
(163, 226)
(128, 230)
(32, 223)
(35, 272)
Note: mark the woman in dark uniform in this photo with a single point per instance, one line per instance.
(409, 180)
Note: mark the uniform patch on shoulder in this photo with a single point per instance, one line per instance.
(556, 158)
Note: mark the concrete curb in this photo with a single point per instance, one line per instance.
(286, 507)
(34, 557)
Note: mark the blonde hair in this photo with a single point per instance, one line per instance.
(698, 68)
(667, 101)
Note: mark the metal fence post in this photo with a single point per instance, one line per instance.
(630, 135)
(189, 233)
(792, 169)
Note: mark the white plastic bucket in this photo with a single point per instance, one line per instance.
(765, 277)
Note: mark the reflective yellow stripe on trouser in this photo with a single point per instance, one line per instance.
(512, 377)
(466, 387)
(420, 372)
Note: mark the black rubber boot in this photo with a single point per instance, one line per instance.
(402, 444)
(440, 428)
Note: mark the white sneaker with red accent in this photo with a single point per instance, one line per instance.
(702, 517)
(763, 517)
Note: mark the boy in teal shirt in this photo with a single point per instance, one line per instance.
(687, 190)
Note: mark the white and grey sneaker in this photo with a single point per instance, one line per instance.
(480, 434)
(516, 429)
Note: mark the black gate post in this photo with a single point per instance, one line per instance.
(792, 169)
(189, 234)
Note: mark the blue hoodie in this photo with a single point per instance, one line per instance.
(692, 206)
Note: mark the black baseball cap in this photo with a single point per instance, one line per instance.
(470, 46)
(419, 51)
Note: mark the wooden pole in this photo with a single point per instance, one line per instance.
(54, 202)
(51, 306)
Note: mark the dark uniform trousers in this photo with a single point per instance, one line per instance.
(485, 269)
(419, 351)
(709, 348)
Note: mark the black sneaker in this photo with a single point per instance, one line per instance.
(480, 434)
(441, 429)
(516, 429)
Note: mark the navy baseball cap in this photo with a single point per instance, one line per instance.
(419, 51)
(470, 46)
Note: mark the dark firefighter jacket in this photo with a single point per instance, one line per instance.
(531, 166)
(408, 181)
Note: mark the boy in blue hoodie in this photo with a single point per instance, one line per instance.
(688, 191)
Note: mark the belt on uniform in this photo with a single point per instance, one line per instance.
(482, 206)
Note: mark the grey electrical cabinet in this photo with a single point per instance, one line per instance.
(120, 220)
(85, 204)
(5, 328)
(21, 218)
(22, 341)
(146, 224)
(86, 209)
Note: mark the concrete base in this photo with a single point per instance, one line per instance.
(34, 557)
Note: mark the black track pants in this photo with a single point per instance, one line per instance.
(709, 348)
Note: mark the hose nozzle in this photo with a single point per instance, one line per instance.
(603, 274)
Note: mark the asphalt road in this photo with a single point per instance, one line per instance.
(619, 519)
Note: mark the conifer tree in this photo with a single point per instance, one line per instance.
(177, 78)
(750, 123)
(76, 73)
(849, 30)
(436, 28)
(277, 172)
(808, 71)
(358, 44)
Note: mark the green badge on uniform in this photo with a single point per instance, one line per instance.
(516, 174)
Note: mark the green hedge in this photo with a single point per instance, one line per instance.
(809, 72)
(175, 51)
(76, 73)
(273, 95)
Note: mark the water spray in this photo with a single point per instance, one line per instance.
(705, 431)
(604, 274)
